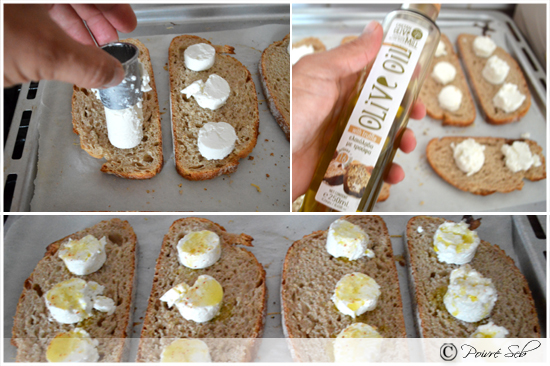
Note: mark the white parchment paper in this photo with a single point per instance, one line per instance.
(26, 239)
(422, 189)
(68, 179)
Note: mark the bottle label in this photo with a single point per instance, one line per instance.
(378, 105)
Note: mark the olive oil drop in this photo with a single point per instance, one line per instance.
(351, 171)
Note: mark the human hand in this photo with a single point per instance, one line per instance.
(321, 84)
(50, 42)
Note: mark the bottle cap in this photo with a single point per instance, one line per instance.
(429, 10)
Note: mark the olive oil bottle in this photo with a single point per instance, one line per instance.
(351, 171)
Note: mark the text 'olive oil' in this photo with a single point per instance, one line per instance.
(370, 127)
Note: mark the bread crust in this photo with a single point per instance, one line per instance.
(443, 325)
(94, 139)
(198, 170)
(147, 351)
(318, 45)
(474, 65)
(114, 350)
(493, 177)
(271, 86)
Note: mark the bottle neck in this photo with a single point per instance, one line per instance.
(428, 10)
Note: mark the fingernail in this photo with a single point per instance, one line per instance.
(117, 79)
(371, 27)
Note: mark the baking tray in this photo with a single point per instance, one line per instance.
(423, 190)
(26, 238)
(54, 174)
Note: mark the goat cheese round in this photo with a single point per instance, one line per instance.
(124, 126)
(444, 72)
(470, 297)
(355, 294)
(199, 249)
(440, 50)
(186, 350)
(490, 330)
(200, 302)
(508, 98)
(199, 57)
(211, 95)
(350, 344)
(450, 98)
(72, 300)
(347, 240)
(83, 256)
(216, 140)
(104, 304)
(495, 70)
(518, 156)
(455, 243)
(73, 346)
(484, 46)
(469, 156)
(296, 53)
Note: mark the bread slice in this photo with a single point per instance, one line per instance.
(310, 275)
(318, 45)
(334, 175)
(493, 177)
(484, 90)
(32, 331)
(274, 70)
(429, 93)
(240, 111)
(514, 308)
(141, 162)
(356, 179)
(243, 309)
(347, 39)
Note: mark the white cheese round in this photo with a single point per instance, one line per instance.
(484, 46)
(455, 243)
(490, 330)
(444, 72)
(211, 95)
(296, 53)
(495, 70)
(347, 240)
(358, 342)
(199, 249)
(124, 126)
(186, 350)
(508, 98)
(440, 50)
(216, 140)
(83, 256)
(104, 304)
(450, 98)
(470, 297)
(469, 156)
(355, 294)
(518, 156)
(73, 346)
(199, 57)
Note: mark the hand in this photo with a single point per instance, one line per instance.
(51, 42)
(321, 84)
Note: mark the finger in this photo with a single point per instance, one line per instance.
(121, 16)
(419, 110)
(104, 20)
(408, 141)
(67, 18)
(395, 175)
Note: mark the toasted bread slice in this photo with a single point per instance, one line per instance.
(429, 93)
(514, 308)
(240, 111)
(274, 70)
(310, 275)
(33, 331)
(356, 179)
(484, 90)
(493, 177)
(141, 162)
(242, 314)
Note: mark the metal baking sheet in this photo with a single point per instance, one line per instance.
(54, 174)
(423, 190)
(26, 238)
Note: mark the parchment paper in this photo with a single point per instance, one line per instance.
(68, 179)
(26, 239)
(423, 189)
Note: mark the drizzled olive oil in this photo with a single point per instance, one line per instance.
(351, 171)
